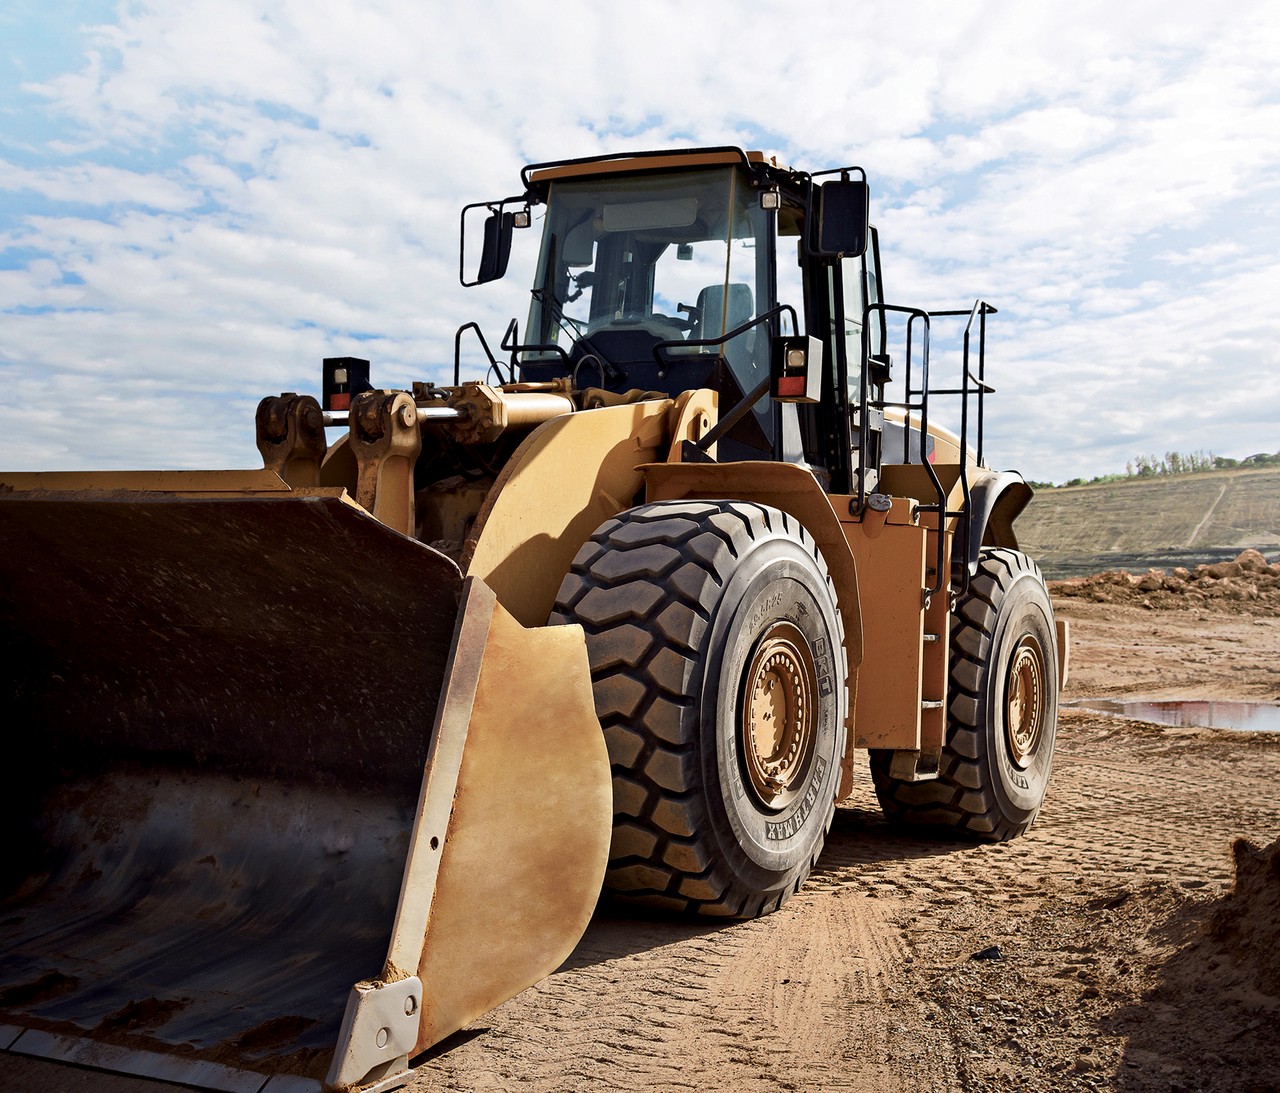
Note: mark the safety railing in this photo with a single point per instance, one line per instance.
(917, 392)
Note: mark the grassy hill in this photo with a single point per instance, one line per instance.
(1159, 522)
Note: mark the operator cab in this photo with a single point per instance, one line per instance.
(659, 273)
(641, 277)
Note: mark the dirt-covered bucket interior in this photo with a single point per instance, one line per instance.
(224, 704)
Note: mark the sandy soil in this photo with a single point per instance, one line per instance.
(1106, 949)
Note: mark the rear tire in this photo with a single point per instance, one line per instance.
(718, 664)
(1002, 711)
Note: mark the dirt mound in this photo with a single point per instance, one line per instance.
(1248, 584)
(1247, 925)
(1237, 952)
(1208, 1022)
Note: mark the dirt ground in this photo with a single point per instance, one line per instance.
(1111, 948)
(1131, 941)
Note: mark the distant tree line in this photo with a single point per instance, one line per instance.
(1151, 466)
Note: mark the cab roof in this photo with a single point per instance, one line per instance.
(537, 176)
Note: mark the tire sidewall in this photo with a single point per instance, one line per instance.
(777, 580)
(1024, 610)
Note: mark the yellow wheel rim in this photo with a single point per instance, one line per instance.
(1024, 712)
(779, 715)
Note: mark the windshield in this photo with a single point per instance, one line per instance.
(628, 263)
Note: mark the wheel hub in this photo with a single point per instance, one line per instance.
(778, 718)
(1025, 701)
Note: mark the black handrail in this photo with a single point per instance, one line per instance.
(728, 336)
(457, 351)
(917, 399)
(509, 343)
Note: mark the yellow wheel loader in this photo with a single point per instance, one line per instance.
(322, 761)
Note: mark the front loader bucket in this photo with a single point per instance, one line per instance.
(276, 766)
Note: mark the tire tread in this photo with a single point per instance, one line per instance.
(961, 798)
(663, 565)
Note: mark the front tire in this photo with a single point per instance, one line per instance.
(718, 664)
(1002, 711)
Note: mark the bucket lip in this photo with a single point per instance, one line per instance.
(201, 1073)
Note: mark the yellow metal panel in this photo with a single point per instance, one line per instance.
(785, 486)
(891, 561)
(514, 879)
(912, 480)
(184, 483)
(694, 413)
(566, 479)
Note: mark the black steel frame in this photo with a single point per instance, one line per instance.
(916, 398)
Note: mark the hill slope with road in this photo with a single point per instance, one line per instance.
(1158, 522)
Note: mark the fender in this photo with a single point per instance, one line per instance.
(997, 498)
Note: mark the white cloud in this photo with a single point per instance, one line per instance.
(228, 191)
(91, 183)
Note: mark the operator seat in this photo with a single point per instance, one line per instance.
(711, 310)
(712, 321)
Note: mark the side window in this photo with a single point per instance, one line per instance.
(790, 276)
(854, 288)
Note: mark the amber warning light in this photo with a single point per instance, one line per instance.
(796, 369)
(344, 377)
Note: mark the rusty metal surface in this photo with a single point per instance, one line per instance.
(385, 438)
(291, 440)
(225, 706)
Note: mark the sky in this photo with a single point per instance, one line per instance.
(200, 201)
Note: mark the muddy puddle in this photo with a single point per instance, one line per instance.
(1186, 713)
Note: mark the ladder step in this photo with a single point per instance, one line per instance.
(931, 704)
(929, 639)
(911, 766)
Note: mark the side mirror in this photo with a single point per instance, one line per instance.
(497, 247)
(841, 210)
(496, 250)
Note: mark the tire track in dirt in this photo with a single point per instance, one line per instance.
(1204, 520)
(809, 997)
(864, 981)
